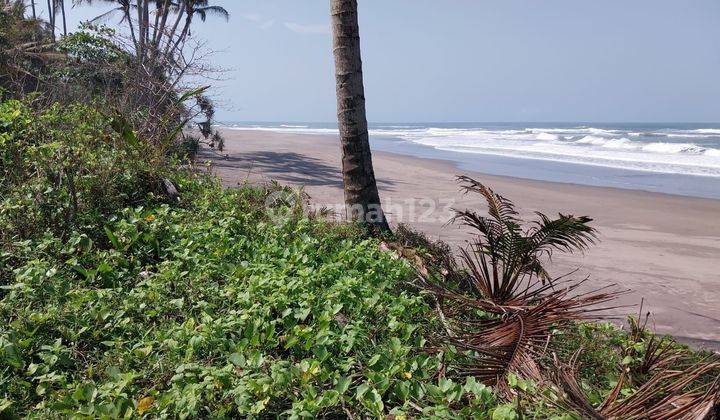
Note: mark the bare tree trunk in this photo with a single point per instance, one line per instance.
(159, 7)
(32, 4)
(146, 22)
(189, 13)
(128, 17)
(362, 199)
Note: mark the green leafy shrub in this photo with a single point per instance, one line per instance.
(213, 311)
(119, 302)
(65, 169)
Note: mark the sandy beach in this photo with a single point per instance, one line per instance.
(664, 248)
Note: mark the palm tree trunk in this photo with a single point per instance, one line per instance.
(51, 17)
(141, 31)
(171, 34)
(163, 22)
(146, 21)
(128, 18)
(62, 8)
(156, 25)
(188, 21)
(160, 29)
(362, 199)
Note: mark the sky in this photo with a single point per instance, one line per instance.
(472, 60)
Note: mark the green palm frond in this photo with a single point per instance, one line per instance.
(509, 250)
(567, 233)
(500, 208)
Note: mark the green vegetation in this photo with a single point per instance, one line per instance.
(133, 285)
(121, 300)
(118, 302)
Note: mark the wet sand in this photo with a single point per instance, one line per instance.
(665, 248)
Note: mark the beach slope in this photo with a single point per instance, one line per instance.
(665, 248)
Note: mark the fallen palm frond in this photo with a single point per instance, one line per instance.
(502, 308)
(647, 351)
(508, 339)
(668, 395)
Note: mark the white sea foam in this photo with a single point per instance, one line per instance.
(621, 143)
(547, 136)
(673, 148)
(592, 140)
(677, 151)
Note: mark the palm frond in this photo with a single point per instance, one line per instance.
(219, 11)
(514, 255)
(668, 395)
(567, 233)
(500, 208)
(510, 337)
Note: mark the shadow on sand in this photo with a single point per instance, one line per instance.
(286, 167)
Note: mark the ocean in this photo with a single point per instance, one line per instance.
(669, 158)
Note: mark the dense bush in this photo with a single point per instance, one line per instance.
(66, 168)
(118, 300)
(211, 311)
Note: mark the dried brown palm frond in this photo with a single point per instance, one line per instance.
(515, 337)
(505, 261)
(653, 352)
(503, 310)
(668, 395)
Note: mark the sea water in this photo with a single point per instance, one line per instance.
(669, 158)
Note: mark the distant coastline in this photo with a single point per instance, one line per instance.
(678, 159)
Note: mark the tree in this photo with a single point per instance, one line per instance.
(51, 16)
(162, 38)
(61, 3)
(26, 48)
(362, 199)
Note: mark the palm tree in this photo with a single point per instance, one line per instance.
(362, 199)
(160, 38)
(503, 306)
(506, 260)
(61, 3)
(190, 8)
(51, 16)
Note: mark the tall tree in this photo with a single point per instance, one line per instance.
(51, 16)
(64, 18)
(362, 199)
(160, 37)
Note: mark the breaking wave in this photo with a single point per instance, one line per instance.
(690, 151)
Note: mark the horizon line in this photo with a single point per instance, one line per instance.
(475, 122)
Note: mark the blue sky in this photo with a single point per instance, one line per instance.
(474, 60)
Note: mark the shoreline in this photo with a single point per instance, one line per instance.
(662, 246)
(533, 167)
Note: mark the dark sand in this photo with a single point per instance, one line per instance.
(665, 248)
